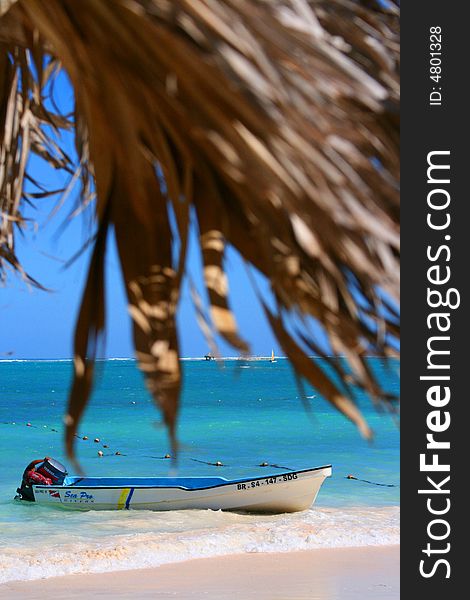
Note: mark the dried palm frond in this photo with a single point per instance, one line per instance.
(275, 120)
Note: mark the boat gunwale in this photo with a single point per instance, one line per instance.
(177, 487)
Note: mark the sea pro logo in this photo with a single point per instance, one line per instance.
(78, 497)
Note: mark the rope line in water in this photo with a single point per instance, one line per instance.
(101, 454)
(371, 482)
(217, 463)
(96, 440)
(214, 464)
(220, 464)
(157, 457)
(265, 464)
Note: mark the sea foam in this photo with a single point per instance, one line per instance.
(197, 534)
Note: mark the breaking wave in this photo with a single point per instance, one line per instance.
(147, 539)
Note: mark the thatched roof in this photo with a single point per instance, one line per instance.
(276, 121)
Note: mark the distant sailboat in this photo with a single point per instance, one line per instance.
(273, 360)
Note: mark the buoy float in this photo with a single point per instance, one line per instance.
(105, 446)
(100, 453)
(167, 456)
(117, 453)
(28, 425)
(85, 437)
(96, 440)
(218, 464)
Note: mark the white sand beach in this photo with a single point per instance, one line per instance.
(370, 573)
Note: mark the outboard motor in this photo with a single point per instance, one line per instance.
(50, 468)
(54, 470)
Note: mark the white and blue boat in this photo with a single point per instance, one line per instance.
(283, 492)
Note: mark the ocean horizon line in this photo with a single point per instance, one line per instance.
(130, 358)
(252, 357)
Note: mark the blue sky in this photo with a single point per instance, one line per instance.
(39, 324)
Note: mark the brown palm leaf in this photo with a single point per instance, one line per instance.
(274, 121)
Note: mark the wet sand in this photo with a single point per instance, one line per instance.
(370, 573)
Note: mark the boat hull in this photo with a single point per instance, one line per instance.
(285, 492)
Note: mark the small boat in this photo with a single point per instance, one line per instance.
(273, 360)
(283, 492)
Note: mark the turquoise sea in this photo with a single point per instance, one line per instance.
(239, 413)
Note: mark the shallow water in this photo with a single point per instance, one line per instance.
(239, 416)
